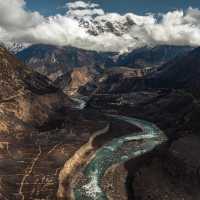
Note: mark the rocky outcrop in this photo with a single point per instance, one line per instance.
(76, 78)
(116, 80)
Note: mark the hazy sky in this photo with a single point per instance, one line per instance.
(51, 7)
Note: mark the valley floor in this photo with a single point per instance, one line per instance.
(32, 168)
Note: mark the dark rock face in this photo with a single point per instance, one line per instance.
(119, 80)
(185, 153)
(27, 99)
(175, 175)
(180, 73)
(152, 56)
(72, 81)
(116, 80)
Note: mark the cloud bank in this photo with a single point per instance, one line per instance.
(87, 26)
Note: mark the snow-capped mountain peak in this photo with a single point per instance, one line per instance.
(15, 47)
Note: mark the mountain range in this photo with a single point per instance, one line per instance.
(57, 62)
(179, 73)
(42, 126)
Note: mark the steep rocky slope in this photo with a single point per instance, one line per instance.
(115, 80)
(27, 99)
(76, 78)
(152, 56)
(180, 73)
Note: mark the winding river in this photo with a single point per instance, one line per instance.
(110, 154)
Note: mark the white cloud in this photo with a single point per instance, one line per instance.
(82, 9)
(85, 12)
(14, 16)
(81, 4)
(104, 31)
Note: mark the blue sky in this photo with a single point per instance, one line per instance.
(50, 7)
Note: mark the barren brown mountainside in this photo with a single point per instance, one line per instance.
(27, 99)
